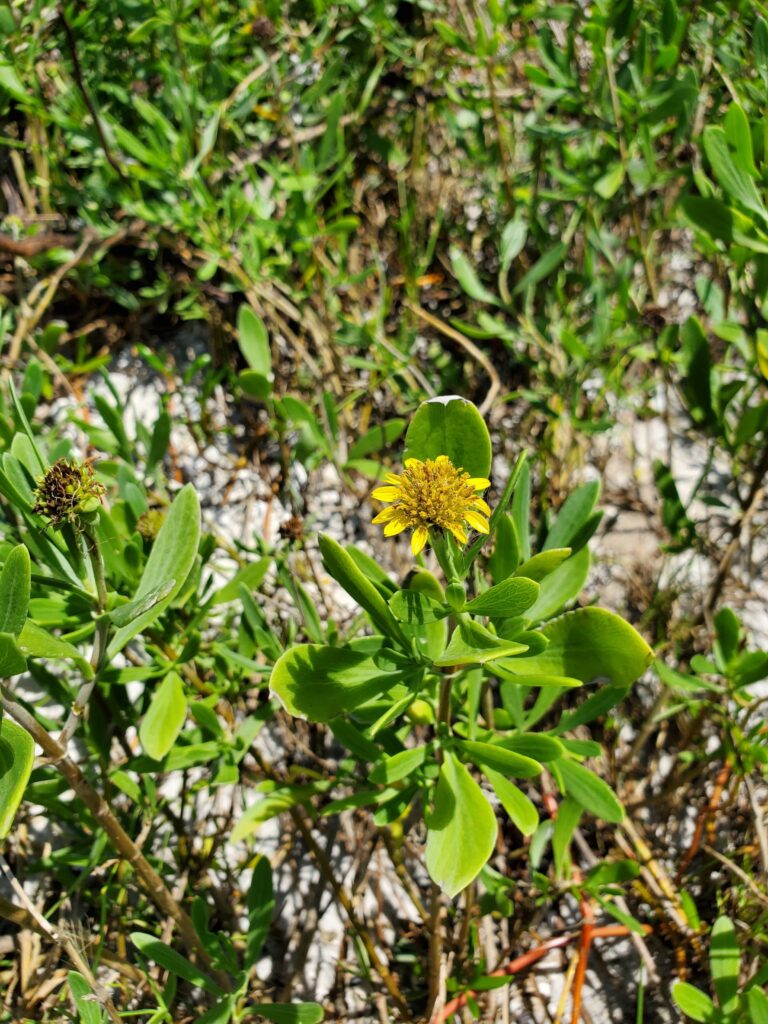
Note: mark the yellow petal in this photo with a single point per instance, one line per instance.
(385, 515)
(413, 462)
(386, 493)
(477, 522)
(395, 527)
(458, 533)
(392, 479)
(479, 483)
(481, 506)
(419, 539)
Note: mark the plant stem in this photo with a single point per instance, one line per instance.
(82, 700)
(118, 837)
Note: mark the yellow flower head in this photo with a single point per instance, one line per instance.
(432, 494)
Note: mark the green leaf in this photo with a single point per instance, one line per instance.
(261, 908)
(588, 644)
(167, 958)
(499, 759)
(574, 514)
(757, 1001)
(251, 576)
(164, 718)
(725, 962)
(541, 565)
(694, 1003)
(416, 608)
(562, 585)
(507, 599)
(17, 755)
(316, 682)
(36, 642)
(375, 439)
(543, 267)
(739, 136)
(520, 809)
(125, 613)
(736, 182)
(171, 558)
(608, 184)
(12, 660)
(88, 1007)
(450, 426)
(513, 239)
(586, 788)
(293, 1013)
(696, 365)
(473, 644)
(594, 706)
(539, 747)
(467, 277)
(398, 766)
(709, 215)
(568, 814)
(15, 582)
(253, 339)
(461, 830)
(343, 569)
(506, 551)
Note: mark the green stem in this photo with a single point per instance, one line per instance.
(101, 637)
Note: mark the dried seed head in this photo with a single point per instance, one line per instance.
(68, 493)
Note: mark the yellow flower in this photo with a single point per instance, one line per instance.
(432, 494)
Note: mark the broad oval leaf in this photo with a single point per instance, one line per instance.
(164, 718)
(317, 682)
(15, 581)
(693, 1002)
(461, 830)
(541, 565)
(450, 426)
(398, 766)
(171, 558)
(17, 754)
(416, 609)
(588, 644)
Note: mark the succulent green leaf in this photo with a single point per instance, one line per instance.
(461, 830)
(15, 581)
(588, 644)
(164, 718)
(472, 644)
(500, 759)
(693, 1002)
(17, 754)
(725, 962)
(505, 600)
(587, 789)
(450, 426)
(522, 812)
(171, 559)
(344, 570)
(317, 682)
